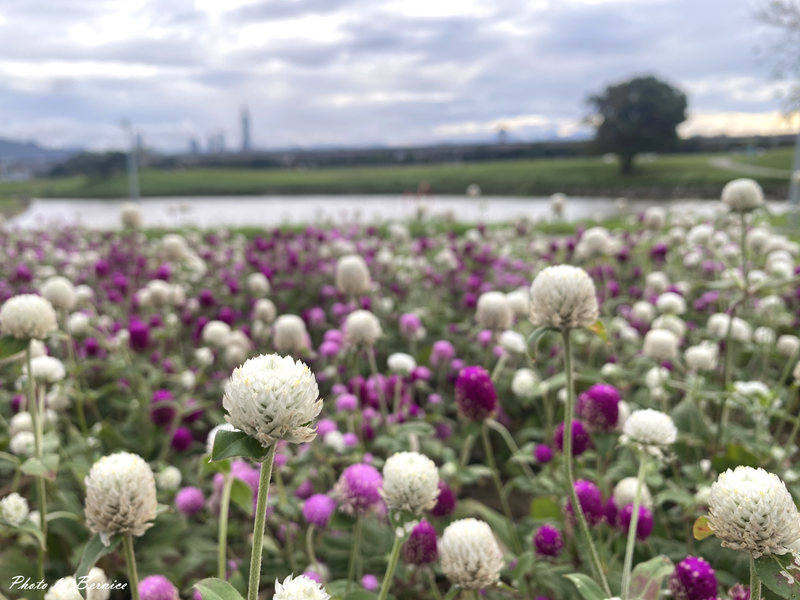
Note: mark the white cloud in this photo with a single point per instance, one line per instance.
(738, 123)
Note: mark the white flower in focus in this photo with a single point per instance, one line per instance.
(650, 428)
(362, 328)
(65, 588)
(742, 195)
(60, 292)
(299, 588)
(14, 509)
(27, 316)
(524, 384)
(563, 297)
(289, 334)
(273, 398)
(625, 491)
(169, 478)
(401, 363)
(469, 554)
(352, 275)
(750, 509)
(660, 345)
(120, 496)
(47, 369)
(410, 482)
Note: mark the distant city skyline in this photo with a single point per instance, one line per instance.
(368, 72)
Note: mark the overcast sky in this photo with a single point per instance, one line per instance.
(357, 72)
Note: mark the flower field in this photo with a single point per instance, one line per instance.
(373, 412)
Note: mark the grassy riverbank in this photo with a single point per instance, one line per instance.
(668, 176)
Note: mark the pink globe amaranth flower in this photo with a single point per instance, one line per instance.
(580, 438)
(739, 592)
(181, 439)
(325, 426)
(645, 525)
(317, 510)
(162, 411)
(190, 500)
(157, 587)
(475, 393)
(409, 325)
(358, 488)
(304, 490)
(590, 499)
(329, 349)
(346, 403)
(350, 439)
(693, 579)
(547, 541)
(314, 576)
(420, 548)
(445, 502)
(543, 453)
(442, 352)
(369, 582)
(485, 337)
(599, 406)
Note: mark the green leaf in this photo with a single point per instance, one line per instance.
(242, 495)
(536, 337)
(45, 467)
(232, 444)
(701, 529)
(95, 549)
(545, 507)
(735, 455)
(647, 578)
(31, 528)
(781, 574)
(216, 589)
(587, 588)
(9, 346)
(207, 466)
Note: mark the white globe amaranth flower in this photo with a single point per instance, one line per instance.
(742, 195)
(410, 482)
(299, 588)
(625, 491)
(469, 554)
(401, 363)
(216, 333)
(764, 336)
(751, 509)
(204, 356)
(96, 585)
(524, 384)
(493, 311)
(643, 311)
(258, 284)
(788, 345)
(563, 297)
(14, 509)
(512, 342)
(557, 203)
(273, 398)
(78, 324)
(65, 588)
(212, 435)
(130, 216)
(352, 275)
(655, 217)
(289, 334)
(702, 357)
(120, 496)
(718, 324)
(60, 292)
(264, 310)
(671, 323)
(22, 421)
(671, 303)
(657, 282)
(169, 478)
(362, 328)
(47, 369)
(520, 301)
(27, 316)
(595, 241)
(650, 428)
(660, 345)
(22, 443)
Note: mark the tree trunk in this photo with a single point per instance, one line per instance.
(626, 164)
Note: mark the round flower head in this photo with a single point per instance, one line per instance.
(65, 588)
(420, 548)
(650, 428)
(445, 501)
(120, 495)
(525, 384)
(60, 292)
(702, 357)
(563, 297)
(401, 363)
(410, 482)
(625, 490)
(273, 398)
(644, 526)
(216, 333)
(591, 500)
(742, 195)
(27, 316)
(289, 334)
(599, 406)
(693, 579)
(299, 588)
(130, 216)
(352, 275)
(660, 345)
(362, 328)
(751, 509)
(469, 554)
(157, 587)
(190, 500)
(14, 509)
(475, 393)
(47, 369)
(548, 541)
(358, 488)
(580, 438)
(317, 509)
(96, 585)
(493, 311)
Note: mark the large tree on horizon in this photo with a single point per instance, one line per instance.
(637, 115)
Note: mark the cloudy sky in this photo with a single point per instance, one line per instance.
(357, 72)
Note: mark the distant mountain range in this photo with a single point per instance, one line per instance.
(17, 152)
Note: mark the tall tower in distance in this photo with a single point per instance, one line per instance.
(245, 117)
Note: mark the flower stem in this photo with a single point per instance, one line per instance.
(434, 588)
(351, 570)
(222, 541)
(312, 557)
(130, 561)
(394, 558)
(258, 525)
(38, 433)
(498, 484)
(632, 529)
(755, 582)
(597, 566)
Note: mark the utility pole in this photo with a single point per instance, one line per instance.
(133, 161)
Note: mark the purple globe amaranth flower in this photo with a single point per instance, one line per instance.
(346, 402)
(445, 502)
(547, 541)
(611, 511)
(157, 587)
(369, 582)
(181, 439)
(590, 499)
(318, 509)
(314, 575)
(580, 438)
(693, 579)
(304, 490)
(190, 500)
(139, 332)
(599, 406)
(358, 489)
(420, 548)
(442, 352)
(543, 454)
(475, 393)
(409, 324)
(645, 525)
(739, 592)
(325, 426)
(162, 410)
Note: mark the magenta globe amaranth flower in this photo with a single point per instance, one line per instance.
(190, 500)
(547, 541)
(475, 393)
(139, 335)
(181, 439)
(420, 548)
(442, 352)
(445, 502)
(580, 438)
(369, 582)
(591, 501)
(599, 406)
(644, 526)
(157, 587)
(358, 489)
(317, 510)
(543, 453)
(693, 579)
(162, 409)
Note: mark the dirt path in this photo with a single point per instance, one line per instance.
(728, 164)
